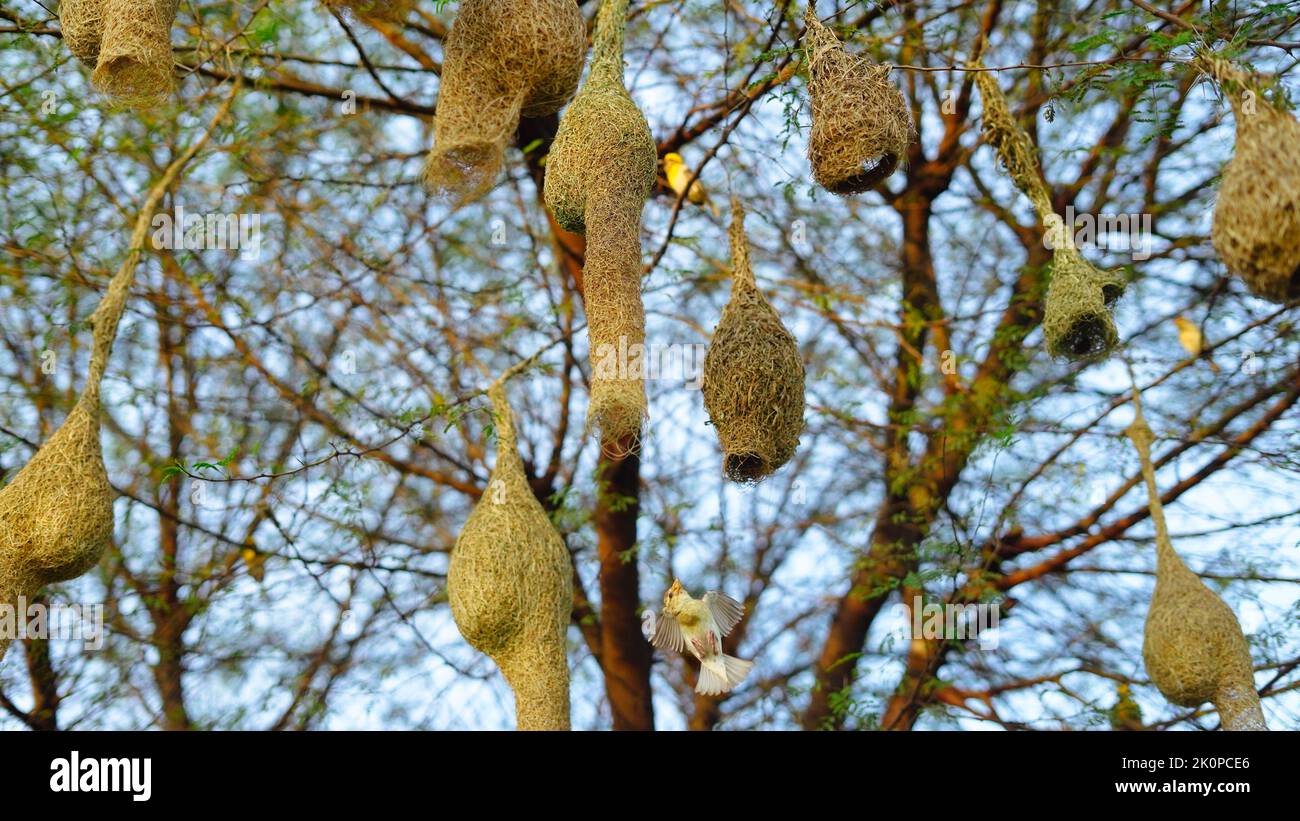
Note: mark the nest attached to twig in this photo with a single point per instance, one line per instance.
(600, 171)
(1077, 320)
(82, 24)
(753, 375)
(861, 125)
(135, 65)
(1257, 217)
(503, 59)
(510, 584)
(56, 516)
(1193, 647)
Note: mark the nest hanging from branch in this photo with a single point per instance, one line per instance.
(861, 125)
(1257, 217)
(753, 375)
(510, 584)
(82, 24)
(1193, 646)
(134, 65)
(599, 173)
(1077, 321)
(503, 59)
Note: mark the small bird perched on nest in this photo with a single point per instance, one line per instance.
(678, 173)
(700, 624)
(1189, 336)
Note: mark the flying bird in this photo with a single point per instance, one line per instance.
(1189, 336)
(698, 625)
(678, 173)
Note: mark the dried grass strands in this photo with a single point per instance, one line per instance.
(135, 65)
(503, 59)
(1193, 647)
(82, 24)
(753, 375)
(56, 516)
(1077, 322)
(861, 125)
(599, 173)
(1257, 217)
(510, 584)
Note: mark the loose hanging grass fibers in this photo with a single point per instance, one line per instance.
(600, 171)
(861, 125)
(1077, 322)
(753, 375)
(510, 585)
(503, 59)
(1257, 217)
(135, 64)
(82, 24)
(1193, 647)
(56, 516)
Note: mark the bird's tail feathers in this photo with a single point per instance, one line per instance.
(721, 675)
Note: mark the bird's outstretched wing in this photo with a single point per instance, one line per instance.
(725, 610)
(668, 634)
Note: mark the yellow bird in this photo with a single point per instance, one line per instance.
(1189, 336)
(678, 173)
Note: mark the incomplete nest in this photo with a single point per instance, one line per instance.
(510, 585)
(1257, 218)
(503, 59)
(134, 64)
(1077, 322)
(861, 125)
(82, 23)
(56, 516)
(1193, 647)
(753, 375)
(600, 171)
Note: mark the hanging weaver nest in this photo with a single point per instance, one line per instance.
(82, 24)
(599, 173)
(1193, 647)
(135, 65)
(510, 585)
(1257, 218)
(56, 516)
(391, 10)
(503, 59)
(1077, 322)
(861, 125)
(753, 375)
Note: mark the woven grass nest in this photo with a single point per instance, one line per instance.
(1077, 321)
(503, 59)
(1193, 646)
(127, 42)
(56, 516)
(510, 585)
(753, 375)
(1257, 217)
(600, 171)
(861, 125)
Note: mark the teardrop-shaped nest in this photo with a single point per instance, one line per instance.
(603, 149)
(82, 24)
(135, 65)
(753, 382)
(861, 125)
(56, 516)
(1257, 217)
(503, 59)
(1077, 322)
(510, 585)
